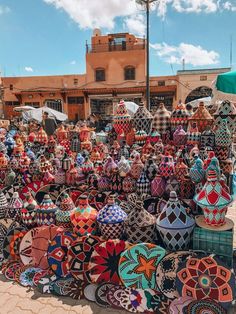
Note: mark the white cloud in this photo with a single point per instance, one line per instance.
(194, 55)
(230, 6)
(73, 62)
(135, 24)
(4, 9)
(94, 13)
(29, 69)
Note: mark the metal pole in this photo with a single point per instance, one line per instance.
(147, 59)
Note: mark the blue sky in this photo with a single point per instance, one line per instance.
(43, 37)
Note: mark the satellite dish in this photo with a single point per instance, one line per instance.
(97, 32)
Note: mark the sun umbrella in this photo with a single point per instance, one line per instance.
(225, 87)
(23, 108)
(37, 114)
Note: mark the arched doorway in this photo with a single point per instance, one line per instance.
(197, 93)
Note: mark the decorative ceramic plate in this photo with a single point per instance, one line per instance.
(57, 253)
(62, 286)
(26, 247)
(103, 265)
(76, 289)
(206, 277)
(166, 272)
(40, 244)
(101, 294)
(89, 292)
(45, 283)
(137, 265)
(11, 243)
(114, 296)
(79, 255)
(204, 306)
(10, 271)
(27, 276)
(177, 305)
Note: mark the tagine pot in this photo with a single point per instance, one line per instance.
(111, 220)
(46, 213)
(202, 117)
(174, 225)
(63, 213)
(179, 116)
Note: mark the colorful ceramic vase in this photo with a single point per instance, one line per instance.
(111, 220)
(213, 199)
(179, 136)
(142, 119)
(161, 120)
(197, 172)
(122, 120)
(174, 225)
(46, 213)
(140, 225)
(143, 184)
(223, 135)
(158, 186)
(179, 116)
(63, 214)
(84, 218)
(226, 110)
(202, 117)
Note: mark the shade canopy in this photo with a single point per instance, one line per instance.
(37, 114)
(23, 108)
(226, 82)
(132, 107)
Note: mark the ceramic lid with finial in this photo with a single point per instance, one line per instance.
(111, 213)
(174, 215)
(213, 194)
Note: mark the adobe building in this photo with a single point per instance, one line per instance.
(115, 69)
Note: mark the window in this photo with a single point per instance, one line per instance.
(203, 78)
(100, 75)
(161, 83)
(129, 73)
(12, 103)
(32, 104)
(55, 104)
(76, 81)
(75, 100)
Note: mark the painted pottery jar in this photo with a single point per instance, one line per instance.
(46, 213)
(158, 186)
(41, 137)
(86, 145)
(129, 184)
(193, 134)
(181, 169)
(140, 225)
(179, 116)
(15, 206)
(63, 213)
(111, 220)
(179, 136)
(187, 188)
(213, 199)
(84, 218)
(226, 110)
(122, 120)
(161, 120)
(202, 117)
(174, 225)
(136, 167)
(197, 172)
(123, 167)
(223, 135)
(48, 178)
(72, 175)
(143, 184)
(166, 167)
(60, 176)
(151, 168)
(142, 119)
(172, 184)
(159, 147)
(140, 137)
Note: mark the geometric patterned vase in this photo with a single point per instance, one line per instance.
(174, 225)
(142, 119)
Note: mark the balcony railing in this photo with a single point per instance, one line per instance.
(124, 46)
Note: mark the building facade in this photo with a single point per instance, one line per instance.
(115, 69)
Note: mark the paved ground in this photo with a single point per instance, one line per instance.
(15, 299)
